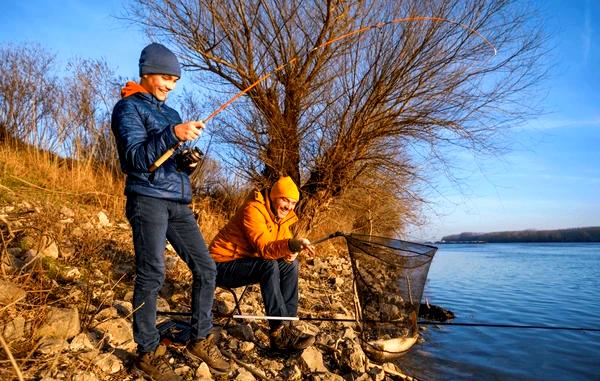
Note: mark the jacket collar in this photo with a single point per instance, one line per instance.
(134, 88)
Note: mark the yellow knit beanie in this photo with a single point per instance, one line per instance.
(285, 187)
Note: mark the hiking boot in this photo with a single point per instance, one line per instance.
(289, 337)
(206, 350)
(155, 366)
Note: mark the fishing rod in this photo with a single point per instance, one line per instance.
(379, 25)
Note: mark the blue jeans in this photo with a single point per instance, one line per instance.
(152, 221)
(278, 281)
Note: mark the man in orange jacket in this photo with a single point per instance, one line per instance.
(257, 246)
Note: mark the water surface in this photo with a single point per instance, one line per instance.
(523, 284)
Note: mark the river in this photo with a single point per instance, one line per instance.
(517, 284)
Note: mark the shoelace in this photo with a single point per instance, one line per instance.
(213, 351)
(288, 336)
(161, 364)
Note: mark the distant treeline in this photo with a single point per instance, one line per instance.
(587, 234)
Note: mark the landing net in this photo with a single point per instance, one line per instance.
(389, 276)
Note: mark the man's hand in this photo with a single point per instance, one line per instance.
(306, 246)
(189, 130)
(297, 245)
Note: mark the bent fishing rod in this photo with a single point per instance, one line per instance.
(379, 25)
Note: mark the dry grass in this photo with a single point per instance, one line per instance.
(27, 173)
(35, 186)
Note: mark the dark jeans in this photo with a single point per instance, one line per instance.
(152, 220)
(278, 283)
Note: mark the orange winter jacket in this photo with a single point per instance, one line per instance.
(253, 232)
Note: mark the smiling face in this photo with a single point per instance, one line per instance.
(283, 206)
(159, 85)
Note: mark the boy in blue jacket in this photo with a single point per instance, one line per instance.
(158, 209)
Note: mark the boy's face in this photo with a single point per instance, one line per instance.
(159, 85)
(283, 206)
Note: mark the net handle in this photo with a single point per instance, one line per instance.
(328, 237)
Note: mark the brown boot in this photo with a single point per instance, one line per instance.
(155, 365)
(208, 351)
(287, 337)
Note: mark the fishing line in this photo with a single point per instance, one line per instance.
(379, 25)
(490, 325)
(498, 325)
(421, 322)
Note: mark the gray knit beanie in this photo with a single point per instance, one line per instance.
(157, 59)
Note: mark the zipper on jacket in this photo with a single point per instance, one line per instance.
(183, 187)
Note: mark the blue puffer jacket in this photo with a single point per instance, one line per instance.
(143, 129)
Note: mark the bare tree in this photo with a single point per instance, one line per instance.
(28, 91)
(69, 116)
(334, 114)
(93, 89)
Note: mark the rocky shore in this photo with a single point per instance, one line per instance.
(65, 307)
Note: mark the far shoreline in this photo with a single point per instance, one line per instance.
(493, 242)
(589, 234)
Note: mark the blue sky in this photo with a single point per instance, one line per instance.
(550, 179)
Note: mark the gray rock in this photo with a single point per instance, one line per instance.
(329, 377)
(244, 375)
(291, 373)
(42, 246)
(377, 373)
(129, 296)
(203, 373)
(246, 346)
(81, 342)
(13, 330)
(67, 212)
(70, 274)
(11, 263)
(60, 323)
(224, 303)
(103, 220)
(312, 359)
(106, 314)
(272, 365)
(108, 363)
(10, 293)
(52, 345)
(89, 355)
(353, 357)
(119, 332)
(124, 308)
(243, 332)
(87, 226)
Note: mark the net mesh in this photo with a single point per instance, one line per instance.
(389, 276)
